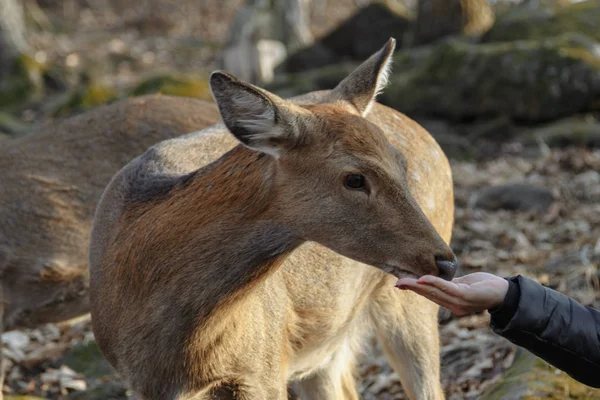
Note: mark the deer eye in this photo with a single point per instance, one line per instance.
(354, 181)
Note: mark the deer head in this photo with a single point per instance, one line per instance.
(337, 180)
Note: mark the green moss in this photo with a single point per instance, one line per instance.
(96, 95)
(12, 126)
(87, 359)
(185, 86)
(89, 94)
(23, 82)
(530, 378)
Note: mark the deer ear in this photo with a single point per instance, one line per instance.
(361, 87)
(254, 116)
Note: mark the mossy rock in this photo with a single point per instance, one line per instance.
(185, 86)
(530, 378)
(525, 80)
(529, 81)
(541, 20)
(87, 359)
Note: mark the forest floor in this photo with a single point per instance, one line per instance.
(559, 247)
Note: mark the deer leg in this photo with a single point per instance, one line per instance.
(407, 327)
(335, 382)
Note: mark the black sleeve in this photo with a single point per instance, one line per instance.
(552, 326)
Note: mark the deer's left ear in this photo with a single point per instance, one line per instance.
(362, 86)
(258, 119)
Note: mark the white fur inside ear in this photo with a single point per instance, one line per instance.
(259, 119)
(382, 81)
(384, 76)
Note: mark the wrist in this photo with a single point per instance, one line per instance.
(503, 313)
(501, 294)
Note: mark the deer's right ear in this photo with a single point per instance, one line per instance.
(362, 86)
(254, 116)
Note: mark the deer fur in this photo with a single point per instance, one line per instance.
(233, 262)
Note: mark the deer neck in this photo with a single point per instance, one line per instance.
(219, 229)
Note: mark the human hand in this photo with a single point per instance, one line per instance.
(464, 295)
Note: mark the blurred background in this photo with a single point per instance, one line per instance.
(510, 90)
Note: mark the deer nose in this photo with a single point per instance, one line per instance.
(446, 268)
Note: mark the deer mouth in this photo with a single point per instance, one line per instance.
(399, 272)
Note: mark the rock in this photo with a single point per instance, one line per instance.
(15, 340)
(539, 20)
(104, 391)
(437, 19)
(516, 197)
(531, 81)
(531, 378)
(355, 39)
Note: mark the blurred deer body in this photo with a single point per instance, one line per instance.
(50, 183)
(228, 270)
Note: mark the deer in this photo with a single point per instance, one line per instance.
(256, 255)
(50, 183)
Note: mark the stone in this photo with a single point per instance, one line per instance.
(111, 390)
(15, 340)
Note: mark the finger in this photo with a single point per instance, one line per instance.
(450, 288)
(434, 294)
(473, 278)
(405, 282)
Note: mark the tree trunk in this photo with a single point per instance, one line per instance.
(12, 34)
(440, 18)
(262, 33)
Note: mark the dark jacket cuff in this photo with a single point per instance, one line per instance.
(501, 315)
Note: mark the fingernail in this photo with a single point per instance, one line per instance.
(401, 287)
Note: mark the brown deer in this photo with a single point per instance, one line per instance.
(50, 184)
(231, 262)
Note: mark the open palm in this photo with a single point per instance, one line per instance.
(464, 295)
